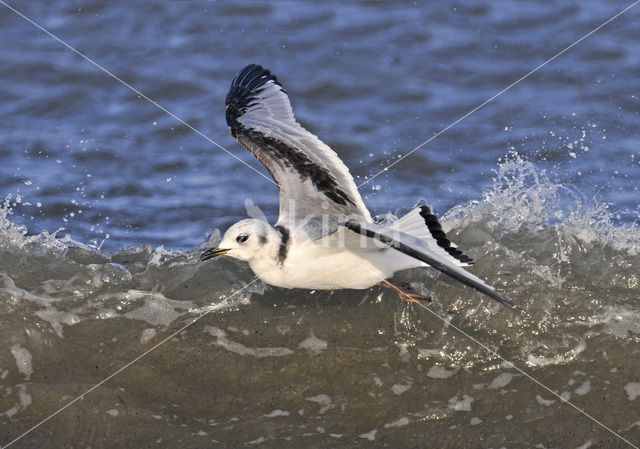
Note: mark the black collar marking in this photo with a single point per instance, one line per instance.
(284, 243)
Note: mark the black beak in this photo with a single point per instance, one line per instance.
(213, 252)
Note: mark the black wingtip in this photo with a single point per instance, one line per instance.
(501, 299)
(245, 86)
(252, 76)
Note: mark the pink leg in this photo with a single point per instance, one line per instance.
(404, 296)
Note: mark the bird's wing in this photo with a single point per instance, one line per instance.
(311, 179)
(418, 249)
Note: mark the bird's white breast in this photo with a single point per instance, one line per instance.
(312, 266)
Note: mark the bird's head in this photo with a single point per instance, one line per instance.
(244, 240)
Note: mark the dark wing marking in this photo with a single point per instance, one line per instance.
(244, 91)
(271, 152)
(260, 117)
(440, 237)
(415, 248)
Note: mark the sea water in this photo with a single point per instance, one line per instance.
(107, 202)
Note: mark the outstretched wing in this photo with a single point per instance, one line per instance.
(312, 180)
(416, 248)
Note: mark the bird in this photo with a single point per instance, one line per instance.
(325, 237)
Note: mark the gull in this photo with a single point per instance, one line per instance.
(325, 237)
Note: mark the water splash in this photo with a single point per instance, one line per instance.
(524, 198)
(557, 254)
(16, 235)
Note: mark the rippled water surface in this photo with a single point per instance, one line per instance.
(108, 201)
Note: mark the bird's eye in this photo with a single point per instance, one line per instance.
(242, 238)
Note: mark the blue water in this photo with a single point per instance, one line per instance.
(373, 80)
(540, 186)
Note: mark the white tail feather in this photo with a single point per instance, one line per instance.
(414, 224)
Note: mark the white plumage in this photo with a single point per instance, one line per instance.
(324, 237)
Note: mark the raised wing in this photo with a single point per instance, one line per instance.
(414, 247)
(312, 180)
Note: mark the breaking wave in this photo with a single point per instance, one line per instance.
(562, 257)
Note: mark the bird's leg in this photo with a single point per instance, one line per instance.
(402, 285)
(404, 296)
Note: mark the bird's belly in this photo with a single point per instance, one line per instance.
(335, 270)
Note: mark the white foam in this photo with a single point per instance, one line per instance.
(49, 313)
(25, 401)
(523, 196)
(398, 423)
(239, 348)
(619, 321)
(462, 405)
(25, 398)
(157, 255)
(569, 356)
(16, 235)
(157, 309)
(147, 335)
(322, 399)
(545, 402)
(437, 353)
(313, 344)
(12, 411)
(633, 390)
(501, 381)
(439, 372)
(584, 388)
(275, 413)
(57, 318)
(398, 389)
(23, 360)
(369, 435)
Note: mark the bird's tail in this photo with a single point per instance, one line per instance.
(423, 224)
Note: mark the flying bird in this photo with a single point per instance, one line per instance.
(325, 237)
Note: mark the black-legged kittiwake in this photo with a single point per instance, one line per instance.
(325, 238)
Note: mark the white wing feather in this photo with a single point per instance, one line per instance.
(310, 176)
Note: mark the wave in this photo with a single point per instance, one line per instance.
(562, 257)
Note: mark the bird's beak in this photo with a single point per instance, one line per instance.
(213, 252)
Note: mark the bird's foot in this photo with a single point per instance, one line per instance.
(412, 297)
(403, 295)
